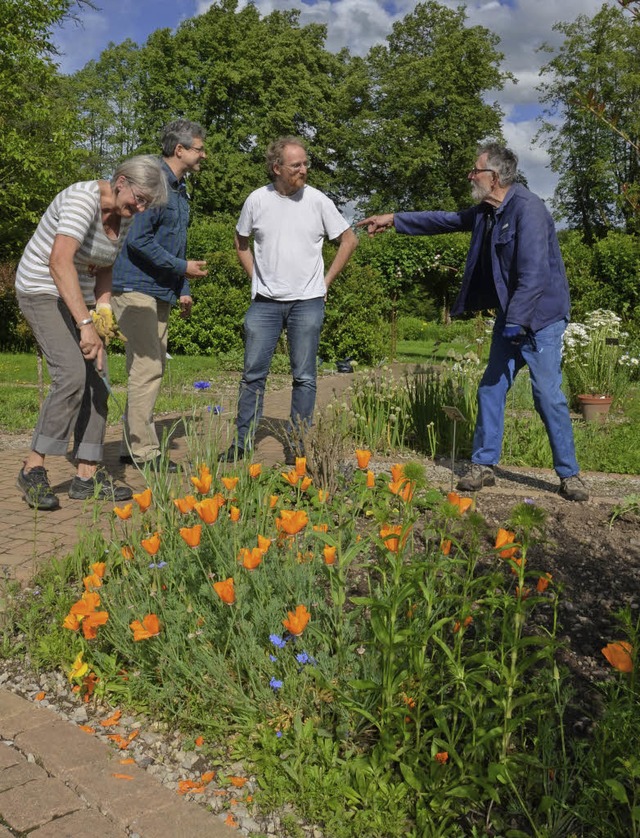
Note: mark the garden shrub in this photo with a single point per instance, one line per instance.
(15, 332)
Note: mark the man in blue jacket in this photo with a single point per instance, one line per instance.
(150, 275)
(515, 267)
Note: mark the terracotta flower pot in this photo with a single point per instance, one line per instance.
(594, 408)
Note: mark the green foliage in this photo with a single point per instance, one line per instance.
(597, 166)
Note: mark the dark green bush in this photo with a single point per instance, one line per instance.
(15, 332)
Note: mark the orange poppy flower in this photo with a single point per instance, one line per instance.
(462, 503)
(225, 590)
(143, 499)
(192, 534)
(301, 466)
(273, 500)
(441, 757)
(92, 581)
(371, 480)
(185, 504)
(445, 546)
(126, 551)
(124, 512)
(291, 477)
(543, 582)
(149, 627)
(397, 472)
(506, 537)
(230, 483)
(321, 527)
(151, 544)
(91, 622)
(255, 470)
(88, 603)
(305, 483)
(323, 496)
(208, 509)
(620, 655)
(99, 568)
(238, 782)
(71, 622)
(292, 521)
(199, 741)
(403, 488)
(297, 621)
(363, 456)
(250, 558)
(263, 543)
(329, 554)
(390, 534)
(234, 513)
(202, 483)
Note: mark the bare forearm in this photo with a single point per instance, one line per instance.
(348, 243)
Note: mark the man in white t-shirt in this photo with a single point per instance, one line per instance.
(289, 222)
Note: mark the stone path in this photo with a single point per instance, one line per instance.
(55, 780)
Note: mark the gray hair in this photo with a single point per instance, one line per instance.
(145, 172)
(275, 149)
(179, 132)
(502, 160)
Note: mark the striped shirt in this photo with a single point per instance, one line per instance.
(74, 212)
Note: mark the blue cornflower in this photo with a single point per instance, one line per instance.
(273, 658)
(275, 684)
(158, 565)
(202, 385)
(217, 410)
(279, 734)
(303, 657)
(277, 641)
(530, 501)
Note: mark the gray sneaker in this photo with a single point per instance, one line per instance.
(99, 487)
(572, 488)
(477, 477)
(36, 489)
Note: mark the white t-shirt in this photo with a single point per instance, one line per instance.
(288, 234)
(74, 212)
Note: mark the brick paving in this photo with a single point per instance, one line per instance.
(55, 780)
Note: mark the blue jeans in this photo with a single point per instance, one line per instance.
(263, 325)
(542, 353)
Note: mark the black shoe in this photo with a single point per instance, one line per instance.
(36, 489)
(572, 488)
(232, 455)
(477, 477)
(100, 487)
(158, 463)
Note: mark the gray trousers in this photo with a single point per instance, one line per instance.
(77, 400)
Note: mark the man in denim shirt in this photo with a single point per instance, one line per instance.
(514, 266)
(149, 276)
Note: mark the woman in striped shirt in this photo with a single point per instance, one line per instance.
(64, 272)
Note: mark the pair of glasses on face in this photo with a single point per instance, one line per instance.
(475, 171)
(199, 149)
(297, 166)
(141, 202)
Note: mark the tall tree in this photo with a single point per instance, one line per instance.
(599, 58)
(36, 122)
(415, 129)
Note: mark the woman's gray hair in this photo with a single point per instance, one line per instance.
(145, 173)
(502, 160)
(179, 132)
(274, 152)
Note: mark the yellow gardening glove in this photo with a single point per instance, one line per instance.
(105, 323)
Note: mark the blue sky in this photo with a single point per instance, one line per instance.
(522, 25)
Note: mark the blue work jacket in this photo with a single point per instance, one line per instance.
(528, 271)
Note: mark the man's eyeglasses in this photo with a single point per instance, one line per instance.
(297, 166)
(139, 200)
(199, 149)
(473, 172)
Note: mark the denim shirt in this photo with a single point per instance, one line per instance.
(528, 271)
(153, 257)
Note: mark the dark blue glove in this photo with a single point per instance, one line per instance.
(514, 333)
